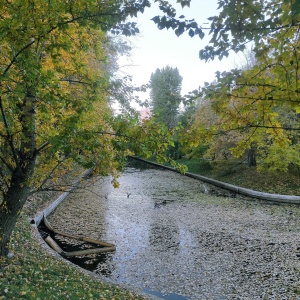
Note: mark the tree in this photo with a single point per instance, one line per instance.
(254, 102)
(206, 129)
(243, 22)
(54, 87)
(53, 97)
(165, 88)
(48, 86)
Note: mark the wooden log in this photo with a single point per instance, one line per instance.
(230, 187)
(108, 247)
(87, 251)
(55, 247)
(53, 244)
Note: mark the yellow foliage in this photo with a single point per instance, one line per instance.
(256, 108)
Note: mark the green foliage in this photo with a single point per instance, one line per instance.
(54, 97)
(197, 165)
(178, 24)
(240, 23)
(165, 88)
(257, 108)
(238, 173)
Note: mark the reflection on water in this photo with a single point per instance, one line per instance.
(172, 240)
(165, 296)
(133, 217)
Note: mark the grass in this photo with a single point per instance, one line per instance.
(32, 273)
(240, 174)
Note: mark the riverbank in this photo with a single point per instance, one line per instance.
(237, 173)
(35, 273)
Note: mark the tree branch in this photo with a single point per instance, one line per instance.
(257, 126)
(9, 136)
(6, 164)
(75, 81)
(42, 147)
(49, 175)
(16, 56)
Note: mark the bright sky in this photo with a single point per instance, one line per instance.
(155, 48)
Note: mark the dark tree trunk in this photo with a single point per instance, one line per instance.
(18, 189)
(10, 209)
(252, 157)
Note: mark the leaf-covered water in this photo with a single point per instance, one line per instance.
(174, 239)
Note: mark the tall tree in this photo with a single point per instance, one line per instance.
(165, 88)
(51, 78)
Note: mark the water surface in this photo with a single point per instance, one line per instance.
(176, 242)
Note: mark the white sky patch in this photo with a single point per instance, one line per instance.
(155, 48)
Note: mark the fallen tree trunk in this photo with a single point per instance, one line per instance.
(107, 247)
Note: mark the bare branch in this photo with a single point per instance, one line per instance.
(42, 147)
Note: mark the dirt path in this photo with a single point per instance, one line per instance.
(173, 239)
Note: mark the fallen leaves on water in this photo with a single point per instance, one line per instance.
(33, 274)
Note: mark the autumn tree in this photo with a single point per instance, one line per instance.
(50, 81)
(53, 97)
(254, 102)
(205, 126)
(52, 86)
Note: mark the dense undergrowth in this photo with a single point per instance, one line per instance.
(241, 174)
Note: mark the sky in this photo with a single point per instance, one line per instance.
(154, 48)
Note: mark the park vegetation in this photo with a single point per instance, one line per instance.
(57, 86)
(250, 112)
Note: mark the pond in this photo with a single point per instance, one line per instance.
(176, 242)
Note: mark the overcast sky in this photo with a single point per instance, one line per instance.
(155, 48)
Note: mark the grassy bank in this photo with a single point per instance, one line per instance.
(240, 174)
(32, 273)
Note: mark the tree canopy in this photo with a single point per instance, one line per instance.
(54, 97)
(55, 88)
(261, 103)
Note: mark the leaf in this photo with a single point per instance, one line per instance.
(191, 33)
